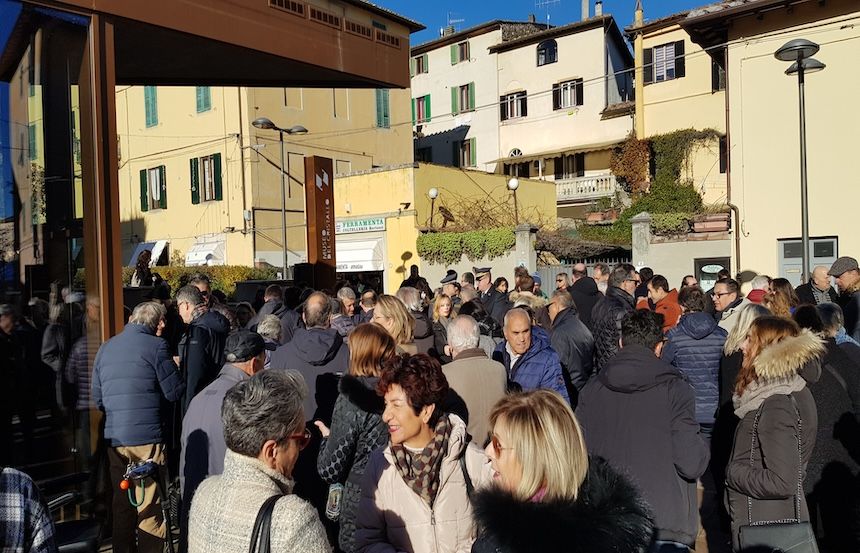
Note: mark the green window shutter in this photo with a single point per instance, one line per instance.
(455, 54)
(471, 96)
(195, 181)
(411, 67)
(162, 178)
(386, 111)
(33, 144)
(427, 108)
(413, 111)
(150, 101)
(204, 99)
(426, 63)
(454, 92)
(473, 152)
(216, 169)
(144, 191)
(378, 107)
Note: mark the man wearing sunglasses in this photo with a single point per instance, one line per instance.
(728, 302)
(203, 446)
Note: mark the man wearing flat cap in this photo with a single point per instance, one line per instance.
(203, 446)
(494, 302)
(847, 275)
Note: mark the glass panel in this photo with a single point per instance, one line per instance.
(50, 319)
(824, 249)
(792, 250)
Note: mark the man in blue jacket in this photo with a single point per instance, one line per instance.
(528, 356)
(133, 375)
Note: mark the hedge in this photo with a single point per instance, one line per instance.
(446, 248)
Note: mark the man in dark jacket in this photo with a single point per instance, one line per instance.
(607, 314)
(639, 414)
(319, 353)
(133, 375)
(495, 303)
(848, 279)
(201, 350)
(203, 446)
(818, 289)
(584, 292)
(695, 348)
(274, 305)
(528, 356)
(572, 341)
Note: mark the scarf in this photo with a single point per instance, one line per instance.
(820, 297)
(421, 471)
(756, 392)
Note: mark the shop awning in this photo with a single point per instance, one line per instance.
(585, 148)
(355, 256)
(156, 247)
(208, 250)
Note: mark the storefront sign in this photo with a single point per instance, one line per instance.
(319, 195)
(350, 226)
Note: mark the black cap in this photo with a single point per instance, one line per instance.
(481, 271)
(243, 345)
(451, 276)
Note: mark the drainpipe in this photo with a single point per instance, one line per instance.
(733, 207)
(737, 213)
(639, 71)
(242, 159)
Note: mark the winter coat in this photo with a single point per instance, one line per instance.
(606, 324)
(356, 430)
(133, 374)
(225, 507)
(669, 308)
(479, 382)
(440, 340)
(290, 319)
(495, 304)
(850, 302)
(729, 318)
(393, 518)
(319, 354)
(423, 336)
(806, 295)
(201, 351)
(538, 367)
(771, 480)
(639, 414)
(607, 515)
(695, 347)
(585, 296)
(344, 325)
(574, 344)
(203, 447)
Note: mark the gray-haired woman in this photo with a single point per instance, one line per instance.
(264, 429)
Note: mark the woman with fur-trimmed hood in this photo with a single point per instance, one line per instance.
(770, 387)
(547, 494)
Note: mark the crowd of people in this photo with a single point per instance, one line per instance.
(487, 416)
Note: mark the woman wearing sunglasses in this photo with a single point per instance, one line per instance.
(264, 429)
(547, 494)
(415, 494)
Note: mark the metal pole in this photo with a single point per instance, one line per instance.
(516, 209)
(432, 206)
(804, 203)
(283, 207)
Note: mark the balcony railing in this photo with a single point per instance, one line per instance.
(584, 189)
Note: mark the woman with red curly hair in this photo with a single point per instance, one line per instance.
(415, 494)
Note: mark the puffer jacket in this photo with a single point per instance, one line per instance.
(695, 347)
(393, 518)
(356, 430)
(606, 324)
(770, 479)
(133, 374)
(539, 367)
(608, 515)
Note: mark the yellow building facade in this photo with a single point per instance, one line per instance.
(380, 213)
(202, 184)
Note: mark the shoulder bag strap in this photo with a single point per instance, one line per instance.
(799, 493)
(752, 455)
(470, 487)
(261, 534)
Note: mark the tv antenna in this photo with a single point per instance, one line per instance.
(453, 20)
(546, 5)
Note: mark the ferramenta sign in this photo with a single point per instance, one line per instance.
(350, 226)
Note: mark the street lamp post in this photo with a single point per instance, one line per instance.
(266, 123)
(800, 52)
(433, 193)
(513, 184)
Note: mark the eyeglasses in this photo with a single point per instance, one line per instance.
(497, 445)
(302, 440)
(721, 294)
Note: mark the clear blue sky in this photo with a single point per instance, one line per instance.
(434, 13)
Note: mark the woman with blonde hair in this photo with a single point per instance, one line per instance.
(778, 424)
(391, 314)
(443, 313)
(782, 299)
(547, 494)
(356, 425)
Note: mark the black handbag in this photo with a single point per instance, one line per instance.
(261, 534)
(778, 536)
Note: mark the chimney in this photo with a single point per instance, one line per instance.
(598, 8)
(585, 4)
(532, 18)
(449, 30)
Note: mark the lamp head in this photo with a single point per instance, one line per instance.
(810, 65)
(264, 123)
(433, 193)
(797, 49)
(297, 129)
(513, 184)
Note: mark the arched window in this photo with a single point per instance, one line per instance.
(547, 52)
